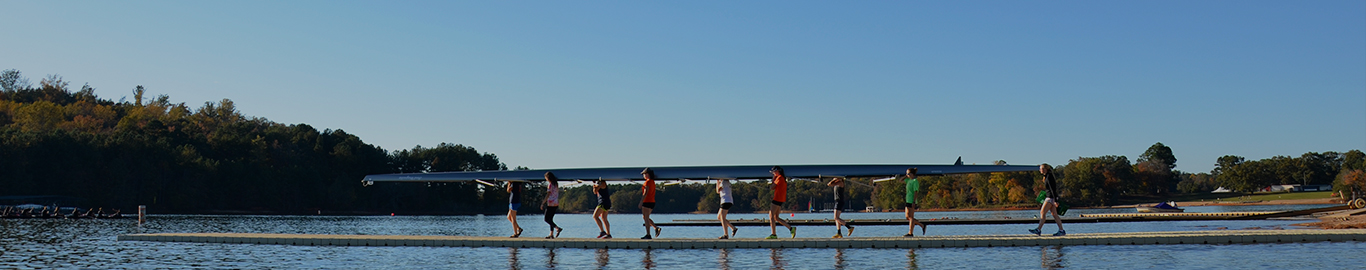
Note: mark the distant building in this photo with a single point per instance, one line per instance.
(1316, 188)
(1280, 188)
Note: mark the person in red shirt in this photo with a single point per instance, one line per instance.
(647, 202)
(779, 197)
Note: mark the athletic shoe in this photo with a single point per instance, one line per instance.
(851, 230)
(601, 234)
(908, 235)
(647, 237)
(656, 231)
(558, 230)
(550, 237)
(734, 230)
(1035, 231)
(837, 235)
(922, 228)
(607, 237)
(1060, 233)
(793, 230)
(724, 237)
(771, 236)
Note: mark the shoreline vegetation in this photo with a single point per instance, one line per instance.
(177, 159)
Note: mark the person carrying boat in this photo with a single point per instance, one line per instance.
(779, 197)
(552, 203)
(912, 187)
(600, 212)
(1050, 201)
(727, 200)
(839, 185)
(647, 202)
(514, 202)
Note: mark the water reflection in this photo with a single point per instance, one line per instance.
(550, 258)
(513, 263)
(649, 259)
(724, 261)
(603, 258)
(1053, 259)
(910, 259)
(839, 259)
(777, 255)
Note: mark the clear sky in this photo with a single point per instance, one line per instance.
(558, 84)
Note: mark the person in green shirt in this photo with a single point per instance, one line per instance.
(912, 187)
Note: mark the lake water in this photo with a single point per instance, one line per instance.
(37, 243)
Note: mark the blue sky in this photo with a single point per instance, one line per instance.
(629, 83)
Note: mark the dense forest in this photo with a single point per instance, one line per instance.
(177, 159)
(213, 159)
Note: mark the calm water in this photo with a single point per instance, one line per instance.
(92, 244)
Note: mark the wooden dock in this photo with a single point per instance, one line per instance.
(1141, 238)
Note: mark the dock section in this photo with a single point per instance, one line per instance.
(1141, 238)
(1086, 218)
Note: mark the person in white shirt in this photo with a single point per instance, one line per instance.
(727, 229)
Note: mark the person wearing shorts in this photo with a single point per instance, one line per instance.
(912, 188)
(1050, 202)
(647, 202)
(600, 212)
(779, 185)
(514, 202)
(727, 200)
(839, 186)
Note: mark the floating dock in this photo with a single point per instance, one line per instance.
(1141, 238)
(1084, 218)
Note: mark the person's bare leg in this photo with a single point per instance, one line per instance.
(777, 211)
(725, 224)
(606, 224)
(597, 218)
(1056, 218)
(773, 219)
(512, 216)
(915, 221)
(1043, 216)
(649, 223)
(910, 219)
(839, 223)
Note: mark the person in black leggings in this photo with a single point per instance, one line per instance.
(551, 204)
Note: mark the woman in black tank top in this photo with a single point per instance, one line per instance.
(600, 212)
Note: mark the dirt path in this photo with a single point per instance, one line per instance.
(1346, 219)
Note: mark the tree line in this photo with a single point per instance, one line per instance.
(178, 159)
(213, 159)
